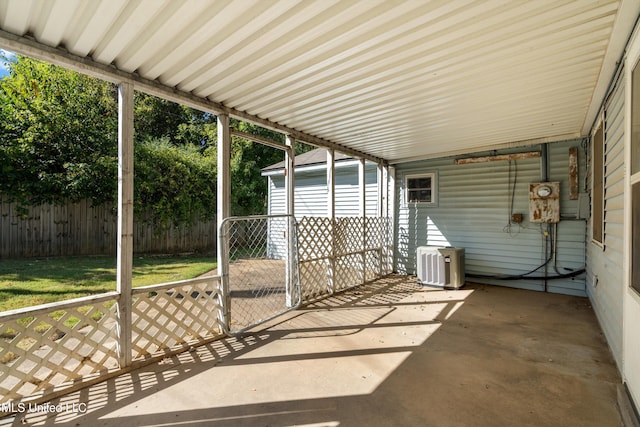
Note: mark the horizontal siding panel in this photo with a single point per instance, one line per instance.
(572, 230)
(568, 283)
(610, 268)
(604, 267)
(615, 216)
(614, 229)
(492, 232)
(615, 133)
(481, 268)
(311, 192)
(485, 178)
(276, 200)
(615, 174)
(491, 239)
(525, 260)
(473, 212)
(615, 123)
(614, 159)
(569, 288)
(529, 285)
(615, 203)
(614, 244)
(614, 150)
(615, 107)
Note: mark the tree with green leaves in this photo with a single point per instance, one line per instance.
(58, 143)
(176, 184)
(249, 190)
(157, 118)
(57, 135)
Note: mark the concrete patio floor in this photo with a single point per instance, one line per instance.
(390, 353)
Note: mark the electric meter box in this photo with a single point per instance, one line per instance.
(544, 202)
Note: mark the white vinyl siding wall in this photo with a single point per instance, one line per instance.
(473, 213)
(572, 232)
(605, 282)
(311, 192)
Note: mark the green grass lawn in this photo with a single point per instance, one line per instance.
(28, 282)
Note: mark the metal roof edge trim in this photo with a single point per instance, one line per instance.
(626, 24)
(514, 144)
(28, 46)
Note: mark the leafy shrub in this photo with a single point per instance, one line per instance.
(176, 184)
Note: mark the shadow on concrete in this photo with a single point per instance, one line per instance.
(390, 353)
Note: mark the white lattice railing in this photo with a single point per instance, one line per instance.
(259, 269)
(52, 344)
(339, 254)
(174, 315)
(315, 252)
(55, 345)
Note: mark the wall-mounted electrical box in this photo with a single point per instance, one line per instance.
(584, 207)
(544, 202)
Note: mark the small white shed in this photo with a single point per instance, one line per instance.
(311, 194)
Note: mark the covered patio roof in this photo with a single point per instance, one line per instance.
(390, 80)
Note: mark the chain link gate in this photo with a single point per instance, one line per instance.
(259, 277)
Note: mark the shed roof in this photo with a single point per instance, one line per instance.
(310, 158)
(397, 80)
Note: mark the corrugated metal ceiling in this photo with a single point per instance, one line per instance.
(395, 79)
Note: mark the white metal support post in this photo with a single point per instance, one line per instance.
(382, 196)
(331, 214)
(125, 221)
(290, 142)
(382, 204)
(223, 212)
(391, 212)
(331, 184)
(290, 175)
(362, 186)
(362, 181)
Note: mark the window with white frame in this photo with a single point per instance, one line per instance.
(421, 189)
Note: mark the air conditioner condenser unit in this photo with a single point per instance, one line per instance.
(440, 266)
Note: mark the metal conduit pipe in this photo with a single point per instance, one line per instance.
(544, 173)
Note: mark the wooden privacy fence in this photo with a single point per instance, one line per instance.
(83, 229)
